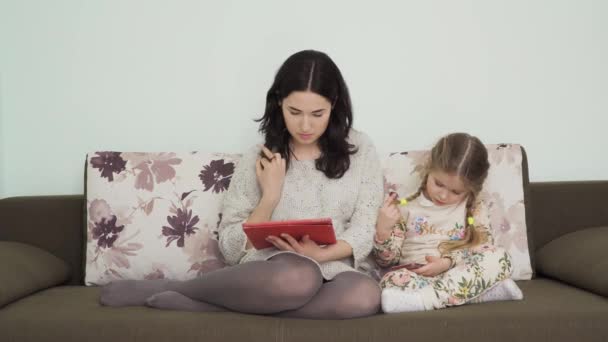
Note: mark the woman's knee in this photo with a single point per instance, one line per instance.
(296, 277)
(362, 298)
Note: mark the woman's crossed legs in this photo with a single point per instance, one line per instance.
(286, 285)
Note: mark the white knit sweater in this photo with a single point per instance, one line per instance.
(352, 202)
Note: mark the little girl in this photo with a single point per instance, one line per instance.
(437, 240)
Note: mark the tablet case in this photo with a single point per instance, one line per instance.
(319, 230)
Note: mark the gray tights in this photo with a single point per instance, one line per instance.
(287, 285)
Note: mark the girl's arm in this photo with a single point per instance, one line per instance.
(387, 252)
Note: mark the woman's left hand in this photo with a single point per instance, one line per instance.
(306, 246)
(435, 265)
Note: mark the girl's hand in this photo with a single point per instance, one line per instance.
(388, 216)
(270, 173)
(435, 265)
(305, 247)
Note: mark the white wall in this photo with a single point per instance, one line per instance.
(77, 76)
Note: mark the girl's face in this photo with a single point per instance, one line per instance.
(445, 188)
(306, 116)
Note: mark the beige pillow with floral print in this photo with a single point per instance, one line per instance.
(154, 215)
(503, 194)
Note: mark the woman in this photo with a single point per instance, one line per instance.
(313, 165)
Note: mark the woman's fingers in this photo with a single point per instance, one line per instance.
(268, 158)
(293, 242)
(279, 243)
(285, 243)
(264, 163)
(268, 153)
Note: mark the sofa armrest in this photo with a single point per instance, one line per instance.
(559, 208)
(26, 269)
(579, 259)
(52, 223)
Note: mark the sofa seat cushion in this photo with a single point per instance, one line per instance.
(73, 313)
(551, 311)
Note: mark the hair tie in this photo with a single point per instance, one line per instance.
(470, 220)
(400, 201)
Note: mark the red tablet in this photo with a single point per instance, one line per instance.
(320, 231)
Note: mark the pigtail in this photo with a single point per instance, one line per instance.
(418, 192)
(409, 198)
(421, 187)
(406, 200)
(473, 236)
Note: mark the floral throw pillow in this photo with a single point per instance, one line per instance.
(503, 194)
(154, 215)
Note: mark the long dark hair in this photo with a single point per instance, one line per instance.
(313, 71)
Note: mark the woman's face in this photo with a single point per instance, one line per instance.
(306, 116)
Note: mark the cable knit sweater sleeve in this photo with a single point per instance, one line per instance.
(240, 200)
(360, 232)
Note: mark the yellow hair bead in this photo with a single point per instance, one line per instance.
(470, 220)
(403, 201)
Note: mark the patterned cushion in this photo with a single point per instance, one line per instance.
(155, 215)
(503, 194)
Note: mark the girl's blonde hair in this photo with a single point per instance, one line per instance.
(465, 156)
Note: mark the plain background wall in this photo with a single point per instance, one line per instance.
(79, 76)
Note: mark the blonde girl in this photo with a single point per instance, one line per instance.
(436, 241)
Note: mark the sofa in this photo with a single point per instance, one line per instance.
(43, 297)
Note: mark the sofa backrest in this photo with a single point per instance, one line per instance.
(155, 215)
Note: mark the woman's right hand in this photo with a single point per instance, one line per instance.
(388, 216)
(270, 173)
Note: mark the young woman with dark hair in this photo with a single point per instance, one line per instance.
(313, 164)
